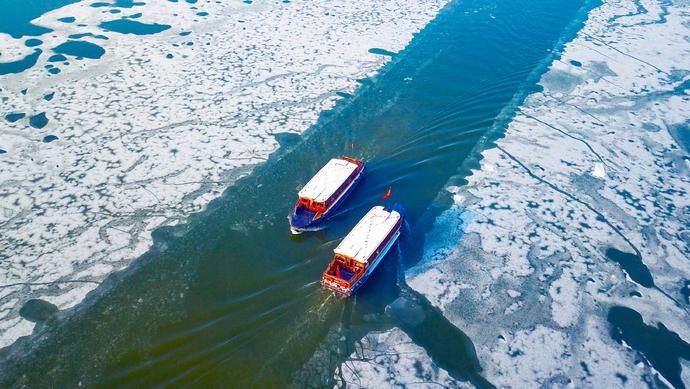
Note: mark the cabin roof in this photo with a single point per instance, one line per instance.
(368, 234)
(324, 184)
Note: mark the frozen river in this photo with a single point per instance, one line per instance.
(150, 152)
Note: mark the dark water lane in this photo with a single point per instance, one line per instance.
(232, 297)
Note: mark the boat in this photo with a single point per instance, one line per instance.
(324, 193)
(361, 251)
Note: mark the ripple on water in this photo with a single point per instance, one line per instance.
(127, 26)
(80, 49)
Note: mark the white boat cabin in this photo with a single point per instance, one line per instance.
(326, 186)
(360, 249)
(361, 243)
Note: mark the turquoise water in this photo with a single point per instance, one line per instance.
(126, 26)
(231, 296)
(80, 49)
(16, 15)
(20, 65)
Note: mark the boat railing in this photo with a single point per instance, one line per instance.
(336, 284)
(356, 161)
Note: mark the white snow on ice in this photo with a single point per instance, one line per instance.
(597, 159)
(391, 359)
(144, 140)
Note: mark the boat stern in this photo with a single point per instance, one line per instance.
(338, 286)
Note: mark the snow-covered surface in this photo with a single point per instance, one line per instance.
(367, 235)
(391, 359)
(161, 124)
(596, 160)
(331, 177)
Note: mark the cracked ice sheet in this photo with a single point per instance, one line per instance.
(145, 140)
(391, 359)
(593, 161)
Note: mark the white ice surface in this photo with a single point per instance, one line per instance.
(145, 140)
(391, 359)
(595, 160)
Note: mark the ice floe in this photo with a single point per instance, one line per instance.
(392, 359)
(594, 164)
(160, 124)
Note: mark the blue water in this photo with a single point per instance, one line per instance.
(633, 266)
(20, 65)
(38, 120)
(57, 58)
(88, 34)
(662, 348)
(33, 42)
(13, 117)
(127, 26)
(16, 15)
(80, 49)
(231, 296)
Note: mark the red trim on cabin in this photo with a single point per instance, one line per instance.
(321, 207)
(356, 161)
(332, 277)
